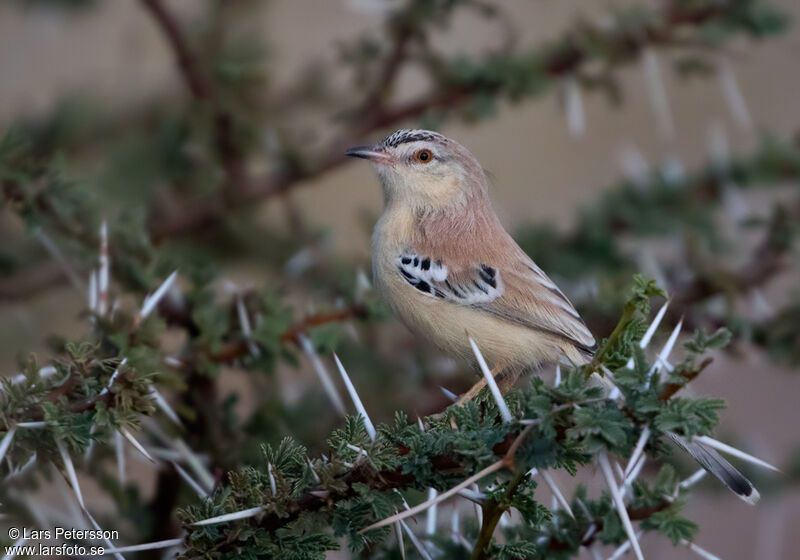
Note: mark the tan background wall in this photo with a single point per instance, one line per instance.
(540, 171)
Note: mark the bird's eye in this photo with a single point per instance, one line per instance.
(423, 156)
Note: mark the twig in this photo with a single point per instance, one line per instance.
(669, 389)
(202, 89)
(191, 71)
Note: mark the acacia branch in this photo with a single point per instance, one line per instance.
(767, 260)
(319, 497)
(202, 89)
(190, 68)
(669, 389)
(562, 57)
(238, 349)
(615, 47)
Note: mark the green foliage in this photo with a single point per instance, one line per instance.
(174, 185)
(669, 523)
(355, 483)
(600, 428)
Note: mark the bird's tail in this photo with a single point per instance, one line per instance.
(714, 463)
(708, 458)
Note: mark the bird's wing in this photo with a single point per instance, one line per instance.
(517, 291)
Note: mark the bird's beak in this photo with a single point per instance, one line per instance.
(374, 154)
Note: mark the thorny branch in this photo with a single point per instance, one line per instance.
(190, 68)
(239, 348)
(767, 260)
(202, 89)
(566, 58)
(176, 218)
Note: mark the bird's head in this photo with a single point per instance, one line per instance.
(424, 169)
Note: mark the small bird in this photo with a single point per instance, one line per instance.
(450, 271)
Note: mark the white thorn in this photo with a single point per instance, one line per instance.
(616, 495)
(398, 531)
(455, 525)
(355, 398)
(193, 484)
(634, 474)
(490, 381)
(623, 548)
(313, 472)
(71, 475)
(244, 322)
(92, 296)
(96, 525)
(120, 452)
(557, 492)
(195, 464)
(733, 94)
(57, 255)
(665, 352)
(363, 285)
(690, 481)
(657, 94)
(243, 514)
(172, 361)
(496, 466)
(472, 496)
(505, 519)
(725, 448)
(762, 310)
(151, 302)
(674, 174)
(651, 329)
(114, 376)
(607, 380)
(620, 473)
(415, 541)
(43, 373)
(6, 443)
(573, 106)
(430, 518)
(28, 464)
(633, 165)
(139, 447)
(162, 403)
(718, 147)
(733, 202)
(272, 485)
(90, 448)
(449, 394)
(103, 274)
(637, 451)
(478, 508)
(701, 552)
(558, 376)
(359, 450)
(322, 373)
(38, 424)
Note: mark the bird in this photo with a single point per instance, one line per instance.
(451, 272)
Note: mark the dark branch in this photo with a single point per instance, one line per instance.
(191, 70)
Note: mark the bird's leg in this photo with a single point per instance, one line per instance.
(475, 389)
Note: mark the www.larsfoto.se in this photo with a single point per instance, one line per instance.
(42, 549)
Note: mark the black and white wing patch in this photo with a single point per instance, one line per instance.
(480, 285)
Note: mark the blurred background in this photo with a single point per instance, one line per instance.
(658, 137)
